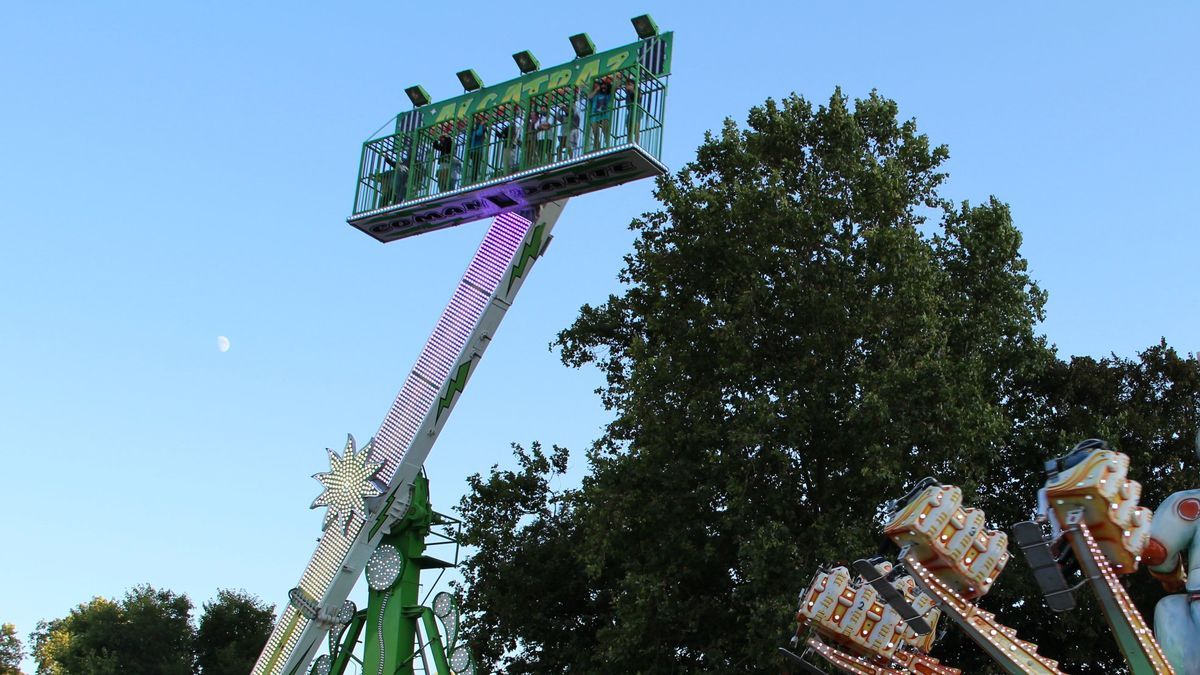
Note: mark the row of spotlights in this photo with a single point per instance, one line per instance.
(528, 63)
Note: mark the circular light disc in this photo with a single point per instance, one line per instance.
(383, 567)
(322, 665)
(442, 604)
(346, 614)
(450, 621)
(460, 659)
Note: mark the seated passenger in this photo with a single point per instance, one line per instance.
(1059, 547)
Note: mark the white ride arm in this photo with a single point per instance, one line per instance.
(466, 327)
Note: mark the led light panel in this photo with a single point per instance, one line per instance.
(384, 567)
(460, 659)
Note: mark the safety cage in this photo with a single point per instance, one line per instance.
(570, 140)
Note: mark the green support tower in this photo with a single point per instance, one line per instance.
(400, 631)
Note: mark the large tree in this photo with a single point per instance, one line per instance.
(808, 326)
(233, 630)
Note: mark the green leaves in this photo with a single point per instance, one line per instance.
(233, 631)
(11, 650)
(149, 632)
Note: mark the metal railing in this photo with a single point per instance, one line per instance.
(558, 127)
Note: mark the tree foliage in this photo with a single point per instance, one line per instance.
(808, 327)
(11, 650)
(532, 541)
(233, 631)
(149, 632)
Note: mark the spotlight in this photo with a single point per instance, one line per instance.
(417, 95)
(645, 26)
(526, 61)
(582, 44)
(470, 80)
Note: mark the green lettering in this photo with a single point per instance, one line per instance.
(616, 61)
(589, 71)
(512, 94)
(534, 86)
(486, 101)
(560, 78)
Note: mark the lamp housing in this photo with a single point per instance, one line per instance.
(526, 61)
(645, 26)
(417, 95)
(583, 45)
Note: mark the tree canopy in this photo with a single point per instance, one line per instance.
(808, 326)
(150, 632)
(233, 630)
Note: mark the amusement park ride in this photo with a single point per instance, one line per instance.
(514, 152)
(880, 620)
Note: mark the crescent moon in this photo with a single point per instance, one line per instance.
(222, 344)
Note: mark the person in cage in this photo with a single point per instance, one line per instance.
(478, 139)
(393, 181)
(498, 152)
(544, 134)
(512, 146)
(598, 115)
(449, 166)
(570, 125)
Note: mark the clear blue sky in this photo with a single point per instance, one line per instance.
(169, 174)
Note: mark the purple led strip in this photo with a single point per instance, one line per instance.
(433, 369)
(412, 406)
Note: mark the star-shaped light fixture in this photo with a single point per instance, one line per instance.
(349, 483)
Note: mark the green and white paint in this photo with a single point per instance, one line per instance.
(577, 73)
